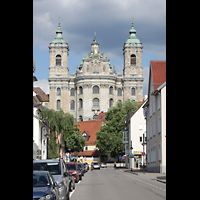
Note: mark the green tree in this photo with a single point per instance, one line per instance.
(61, 123)
(110, 136)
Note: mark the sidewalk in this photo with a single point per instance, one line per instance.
(150, 175)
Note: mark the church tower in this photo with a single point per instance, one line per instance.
(133, 70)
(58, 70)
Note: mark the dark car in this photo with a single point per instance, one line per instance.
(81, 168)
(58, 170)
(44, 186)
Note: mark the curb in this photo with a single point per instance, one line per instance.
(162, 181)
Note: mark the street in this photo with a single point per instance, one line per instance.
(110, 184)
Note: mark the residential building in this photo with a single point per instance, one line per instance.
(96, 86)
(135, 142)
(88, 131)
(43, 95)
(155, 109)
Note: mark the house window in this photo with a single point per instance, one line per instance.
(133, 91)
(72, 105)
(133, 59)
(58, 105)
(95, 90)
(111, 90)
(95, 102)
(58, 60)
(119, 92)
(110, 103)
(72, 92)
(80, 103)
(58, 92)
(85, 136)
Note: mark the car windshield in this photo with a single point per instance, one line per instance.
(52, 167)
(40, 180)
(71, 167)
(96, 163)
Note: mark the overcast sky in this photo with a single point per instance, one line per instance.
(110, 19)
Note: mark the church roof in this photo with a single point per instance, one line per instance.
(132, 38)
(58, 38)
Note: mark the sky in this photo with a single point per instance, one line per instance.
(110, 19)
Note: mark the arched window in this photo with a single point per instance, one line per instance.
(119, 92)
(58, 92)
(58, 60)
(72, 105)
(95, 103)
(80, 90)
(111, 103)
(72, 92)
(133, 59)
(80, 103)
(133, 91)
(111, 90)
(58, 104)
(95, 90)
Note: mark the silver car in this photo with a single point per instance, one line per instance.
(59, 172)
(96, 165)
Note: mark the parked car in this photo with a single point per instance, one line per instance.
(103, 165)
(44, 186)
(58, 170)
(81, 168)
(96, 165)
(73, 169)
(85, 167)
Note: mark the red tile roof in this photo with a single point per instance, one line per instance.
(90, 128)
(41, 93)
(158, 70)
(101, 117)
(87, 153)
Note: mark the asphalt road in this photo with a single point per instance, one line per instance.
(110, 184)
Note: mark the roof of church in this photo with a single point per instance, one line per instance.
(58, 38)
(158, 70)
(132, 38)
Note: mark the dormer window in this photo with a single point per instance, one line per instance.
(85, 136)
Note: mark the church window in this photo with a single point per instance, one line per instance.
(58, 105)
(111, 90)
(58, 92)
(133, 59)
(119, 92)
(80, 103)
(133, 91)
(95, 102)
(80, 90)
(95, 90)
(72, 92)
(111, 103)
(58, 60)
(72, 105)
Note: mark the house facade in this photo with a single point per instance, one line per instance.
(155, 109)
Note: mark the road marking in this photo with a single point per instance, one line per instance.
(71, 193)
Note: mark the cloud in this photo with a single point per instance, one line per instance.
(43, 84)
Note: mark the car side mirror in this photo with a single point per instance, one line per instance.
(66, 173)
(55, 184)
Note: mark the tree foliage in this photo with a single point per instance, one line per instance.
(110, 136)
(62, 123)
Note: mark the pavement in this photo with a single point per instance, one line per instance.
(149, 175)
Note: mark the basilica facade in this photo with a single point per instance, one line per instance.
(95, 87)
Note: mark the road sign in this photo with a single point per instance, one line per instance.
(143, 153)
(120, 157)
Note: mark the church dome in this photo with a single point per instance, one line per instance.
(58, 38)
(132, 38)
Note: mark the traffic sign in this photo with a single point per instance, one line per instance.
(120, 157)
(143, 153)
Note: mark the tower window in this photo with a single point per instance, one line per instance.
(58, 92)
(133, 91)
(95, 90)
(80, 90)
(58, 105)
(111, 90)
(80, 103)
(72, 93)
(133, 59)
(58, 60)
(119, 92)
(72, 105)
